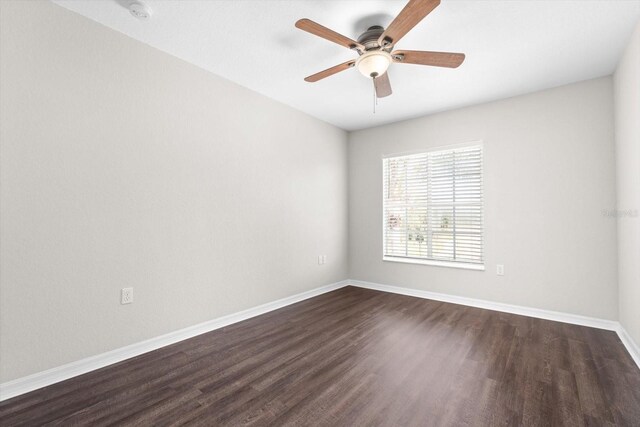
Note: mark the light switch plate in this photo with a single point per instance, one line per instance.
(500, 270)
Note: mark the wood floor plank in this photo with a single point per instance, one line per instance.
(586, 373)
(566, 408)
(358, 357)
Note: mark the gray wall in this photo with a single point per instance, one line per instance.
(549, 174)
(627, 126)
(123, 166)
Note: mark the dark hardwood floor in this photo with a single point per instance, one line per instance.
(359, 357)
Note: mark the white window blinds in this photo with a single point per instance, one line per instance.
(433, 206)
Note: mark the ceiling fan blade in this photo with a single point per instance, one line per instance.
(330, 71)
(435, 59)
(324, 32)
(382, 85)
(413, 12)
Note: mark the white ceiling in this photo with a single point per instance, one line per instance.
(512, 47)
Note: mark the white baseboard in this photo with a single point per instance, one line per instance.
(42, 379)
(574, 319)
(51, 376)
(632, 346)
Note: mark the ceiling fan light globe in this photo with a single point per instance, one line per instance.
(373, 64)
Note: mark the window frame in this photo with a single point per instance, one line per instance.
(435, 262)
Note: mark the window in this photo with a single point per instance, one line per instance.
(433, 208)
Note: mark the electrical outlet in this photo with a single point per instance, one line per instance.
(500, 270)
(324, 259)
(319, 259)
(126, 296)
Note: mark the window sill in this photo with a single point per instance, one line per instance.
(461, 265)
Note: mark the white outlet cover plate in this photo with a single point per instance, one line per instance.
(126, 296)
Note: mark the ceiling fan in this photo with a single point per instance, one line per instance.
(375, 47)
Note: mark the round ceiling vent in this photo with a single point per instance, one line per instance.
(140, 10)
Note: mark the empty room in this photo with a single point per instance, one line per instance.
(320, 213)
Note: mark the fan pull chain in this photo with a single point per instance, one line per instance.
(375, 98)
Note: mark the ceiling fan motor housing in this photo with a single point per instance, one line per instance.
(369, 39)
